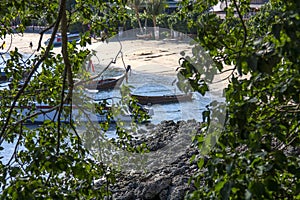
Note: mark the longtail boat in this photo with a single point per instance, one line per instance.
(3, 77)
(107, 84)
(58, 39)
(36, 113)
(144, 36)
(163, 99)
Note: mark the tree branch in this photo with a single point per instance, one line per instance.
(113, 61)
(245, 32)
(36, 65)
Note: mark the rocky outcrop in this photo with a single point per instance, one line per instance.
(167, 173)
(169, 180)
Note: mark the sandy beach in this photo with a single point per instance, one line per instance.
(22, 42)
(159, 57)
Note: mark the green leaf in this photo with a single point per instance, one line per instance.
(220, 185)
(200, 163)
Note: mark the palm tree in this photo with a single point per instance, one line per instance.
(155, 8)
(135, 5)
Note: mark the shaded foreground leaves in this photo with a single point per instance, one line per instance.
(257, 155)
(49, 161)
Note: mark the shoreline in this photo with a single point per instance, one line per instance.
(145, 56)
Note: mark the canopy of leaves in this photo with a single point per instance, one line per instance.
(154, 8)
(257, 155)
(49, 161)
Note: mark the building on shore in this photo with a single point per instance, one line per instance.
(255, 6)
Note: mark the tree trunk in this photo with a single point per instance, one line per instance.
(154, 20)
(156, 29)
(138, 18)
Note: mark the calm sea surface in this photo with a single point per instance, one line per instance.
(148, 84)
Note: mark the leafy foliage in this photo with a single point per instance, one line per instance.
(50, 161)
(257, 155)
(155, 8)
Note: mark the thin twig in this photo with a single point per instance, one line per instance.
(16, 148)
(227, 70)
(21, 91)
(42, 34)
(23, 120)
(113, 61)
(243, 23)
(76, 133)
(245, 31)
(88, 118)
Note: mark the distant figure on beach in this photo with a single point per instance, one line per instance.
(30, 45)
(3, 45)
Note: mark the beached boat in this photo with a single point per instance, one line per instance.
(39, 112)
(3, 77)
(163, 99)
(108, 83)
(58, 39)
(144, 36)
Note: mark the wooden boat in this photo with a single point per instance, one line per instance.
(3, 77)
(107, 84)
(164, 99)
(43, 112)
(144, 36)
(58, 39)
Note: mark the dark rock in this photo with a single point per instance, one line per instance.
(178, 193)
(180, 180)
(170, 181)
(164, 194)
(154, 188)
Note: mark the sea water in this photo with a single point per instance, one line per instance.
(151, 85)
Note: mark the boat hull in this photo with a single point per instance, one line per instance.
(164, 99)
(80, 115)
(105, 84)
(3, 77)
(58, 39)
(77, 115)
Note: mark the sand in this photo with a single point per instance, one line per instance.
(22, 42)
(145, 56)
